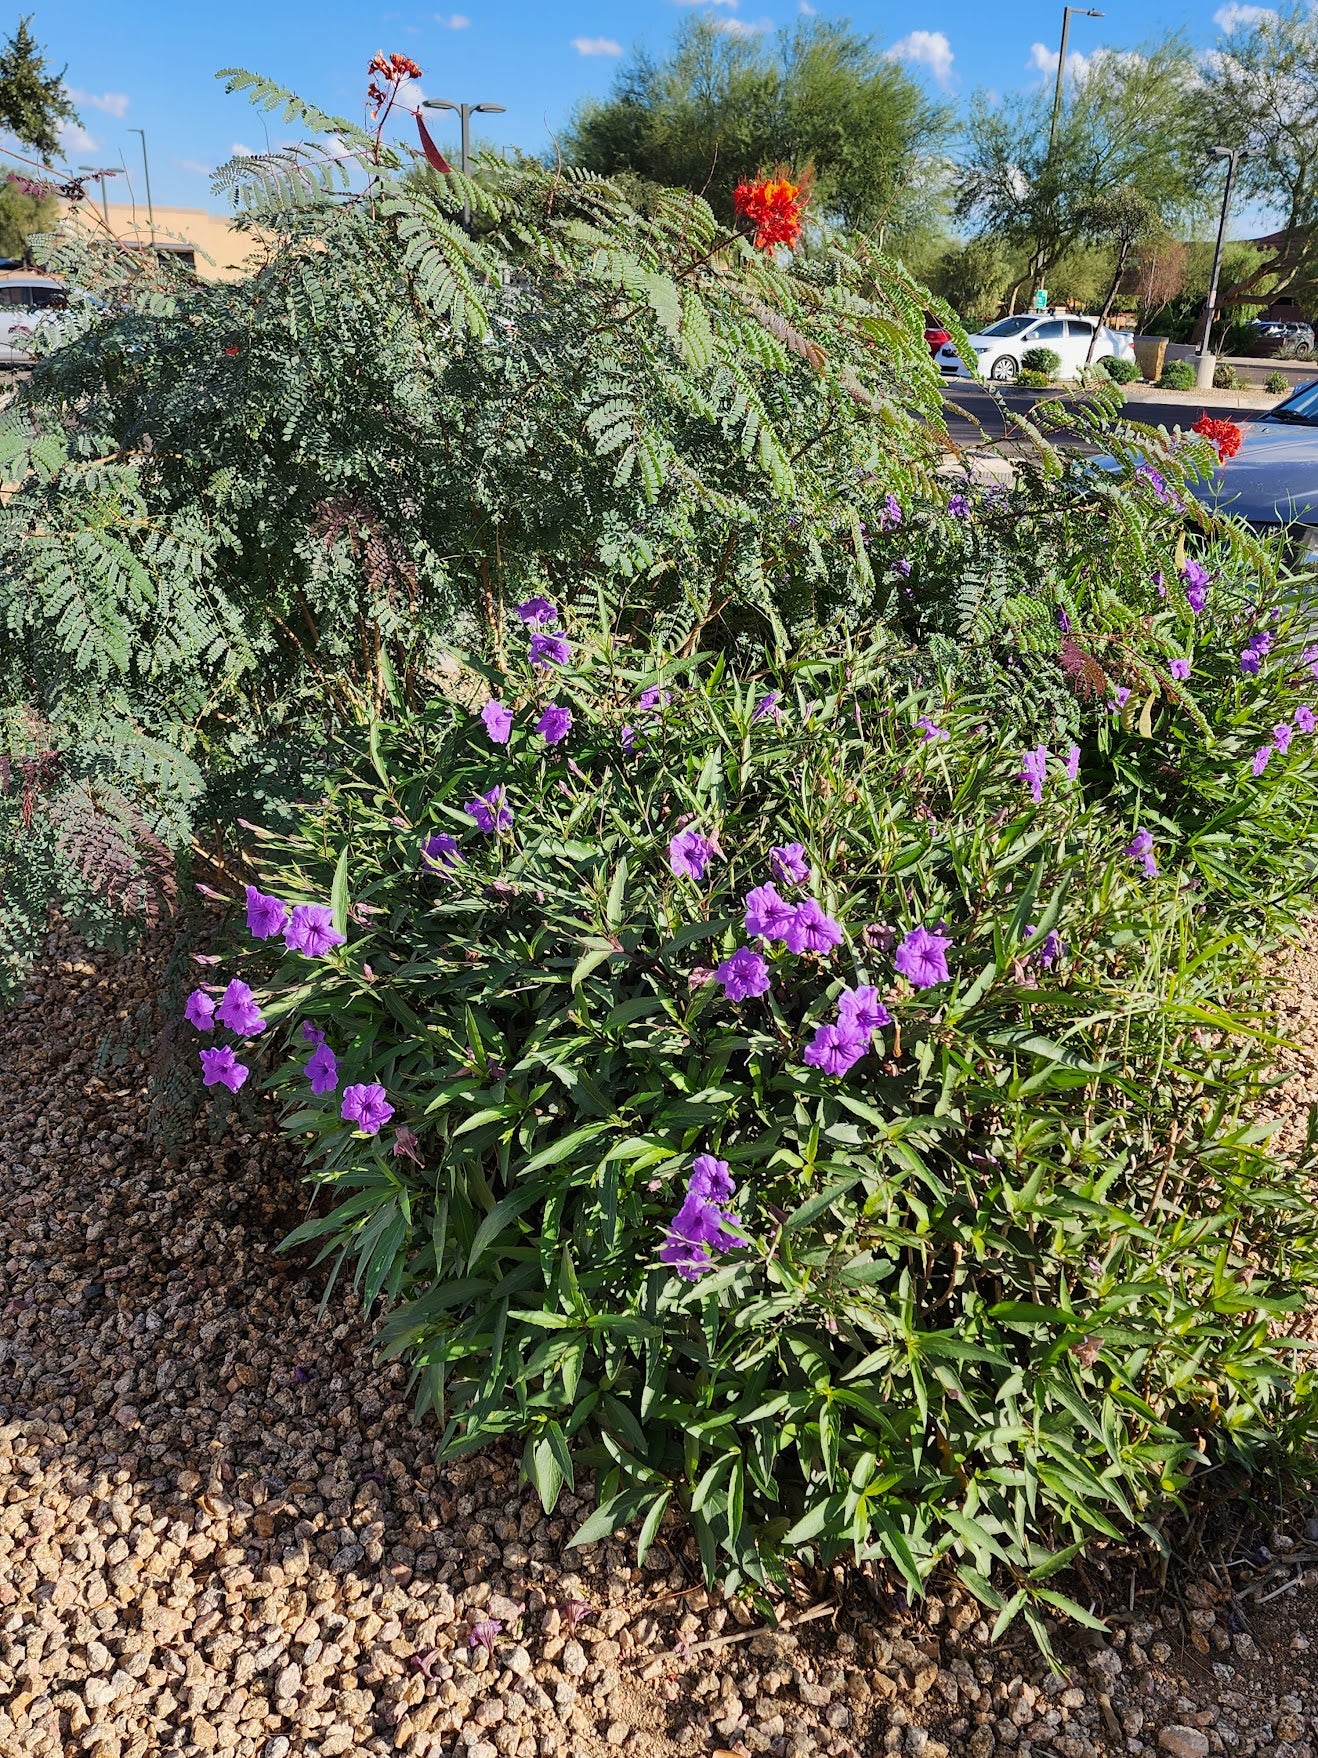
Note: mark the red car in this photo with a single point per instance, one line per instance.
(935, 335)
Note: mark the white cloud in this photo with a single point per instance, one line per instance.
(1235, 18)
(929, 49)
(74, 138)
(109, 103)
(596, 46)
(807, 9)
(743, 27)
(456, 21)
(731, 4)
(1044, 60)
(194, 165)
(239, 151)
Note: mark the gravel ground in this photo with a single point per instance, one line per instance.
(220, 1531)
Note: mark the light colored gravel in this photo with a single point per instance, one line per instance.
(220, 1531)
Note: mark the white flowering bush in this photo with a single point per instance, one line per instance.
(799, 1097)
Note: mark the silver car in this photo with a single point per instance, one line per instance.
(1272, 481)
(27, 302)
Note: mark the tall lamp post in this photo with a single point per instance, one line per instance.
(100, 175)
(1082, 12)
(465, 112)
(146, 170)
(1207, 362)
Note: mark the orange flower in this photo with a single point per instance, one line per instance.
(775, 207)
(398, 67)
(1225, 435)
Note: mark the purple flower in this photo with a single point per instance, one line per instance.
(768, 915)
(810, 930)
(931, 730)
(890, 514)
(367, 1107)
(1072, 763)
(958, 507)
(311, 931)
(322, 1069)
(554, 724)
(1261, 759)
(266, 916)
(238, 1011)
(441, 851)
(788, 864)
(486, 1632)
(922, 958)
(538, 611)
(700, 1225)
(549, 650)
(835, 1049)
(312, 1034)
(903, 568)
(1049, 948)
(1250, 662)
(1157, 482)
(498, 721)
(1122, 695)
(200, 1010)
(1196, 579)
(1141, 850)
(710, 1180)
(1063, 621)
(1034, 770)
(1261, 643)
(406, 1142)
(576, 1611)
(628, 739)
(653, 698)
(766, 706)
(1180, 669)
(860, 1010)
(490, 812)
(688, 854)
(221, 1068)
(743, 975)
(1304, 718)
(1281, 738)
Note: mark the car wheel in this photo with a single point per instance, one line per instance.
(1004, 370)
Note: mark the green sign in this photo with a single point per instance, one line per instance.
(1041, 299)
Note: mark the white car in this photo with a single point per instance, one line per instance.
(1000, 348)
(26, 301)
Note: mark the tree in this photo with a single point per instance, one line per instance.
(33, 103)
(22, 214)
(721, 107)
(1128, 126)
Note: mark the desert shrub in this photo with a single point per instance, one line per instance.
(1177, 375)
(983, 1273)
(1034, 381)
(1225, 377)
(1121, 372)
(1276, 384)
(1045, 361)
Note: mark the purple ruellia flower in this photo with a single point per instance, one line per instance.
(931, 730)
(1304, 718)
(311, 931)
(406, 1142)
(689, 853)
(367, 1107)
(788, 864)
(1122, 695)
(627, 739)
(903, 568)
(922, 958)
(266, 916)
(1195, 577)
(1180, 669)
(1310, 658)
(1072, 765)
(768, 915)
(1034, 771)
(554, 724)
(1141, 850)
(766, 706)
(1049, 948)
(1063, 621)
(441, 851)
(836, 1049)
(810, 930)
(700, 1225)
(1157, 482)
(1281, 738)
(485, 1634)
(538, 611)
(498, 721)
(890, 514)
(958, 507)
(1261, 759)
(861, 1010)
(238, 1011)
(743, 975)
(490, 812)
(549, 650)
(200, 1010)
(220, 1068)
(312, 1034)
(653, 698)
(322, 1069)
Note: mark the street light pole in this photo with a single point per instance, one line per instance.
(102, 177)
(1082, 12)
(1207, 361)
(146, 170)
(464, 112)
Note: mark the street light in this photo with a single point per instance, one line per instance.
(99, 174)
(146, 168)
(465, 113)
(1233, 156)
(1081, 12)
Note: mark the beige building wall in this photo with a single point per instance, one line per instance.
(212, 236)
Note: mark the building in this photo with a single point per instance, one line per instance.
(203, 241)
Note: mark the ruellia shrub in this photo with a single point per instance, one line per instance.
(1045, 361)
(795, 1098)
(1177, 375)
(1120, 370)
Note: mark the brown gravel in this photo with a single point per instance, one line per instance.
(221, 1532)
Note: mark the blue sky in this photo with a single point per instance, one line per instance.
(150, 64)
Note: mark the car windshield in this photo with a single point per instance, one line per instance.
(1011, 326)
(1301, 408)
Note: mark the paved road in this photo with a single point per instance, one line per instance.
(973, 416)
